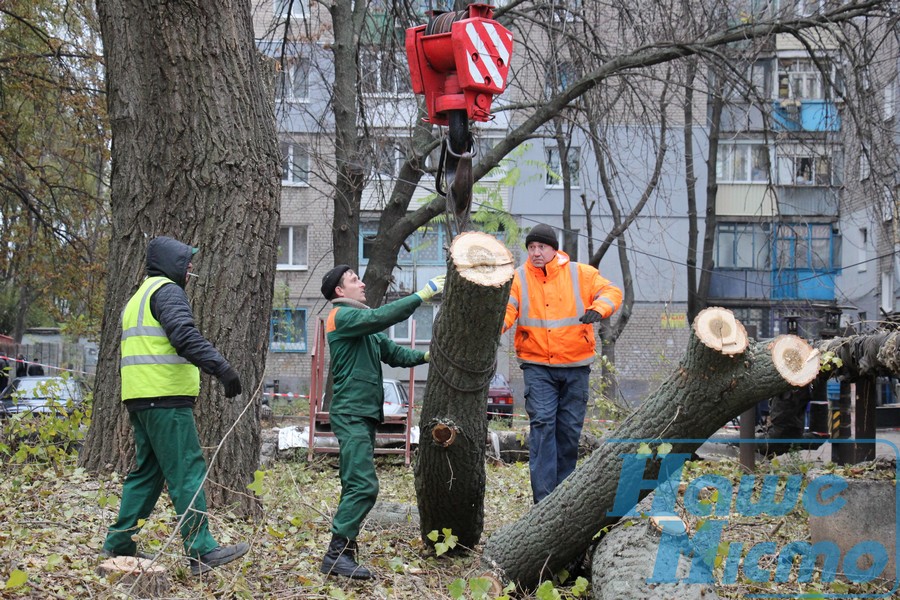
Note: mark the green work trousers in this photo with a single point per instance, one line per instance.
(167, 451)
(359, 483)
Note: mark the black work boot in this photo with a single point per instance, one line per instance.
(217, 557)
(341, 560)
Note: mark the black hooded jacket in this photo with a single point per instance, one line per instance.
(168, 257)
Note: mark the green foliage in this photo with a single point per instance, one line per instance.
(50, 437)
(54, 143)
(601, 380)
(16, 580)
(492, 215)
(449, 542)
(829, 361)
(257, 486)
(47, 438)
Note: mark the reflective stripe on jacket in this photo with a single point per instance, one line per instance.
(546, 309)
(150, 366)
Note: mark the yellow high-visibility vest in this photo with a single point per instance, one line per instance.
(150, 367)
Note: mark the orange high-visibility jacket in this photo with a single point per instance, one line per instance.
(546, 309)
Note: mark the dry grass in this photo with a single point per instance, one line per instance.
(55, 519)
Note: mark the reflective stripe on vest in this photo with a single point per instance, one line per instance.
(525, 320)
(150, 366)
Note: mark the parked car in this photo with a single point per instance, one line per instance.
(500, 398)
(36, 394)
(396, 400)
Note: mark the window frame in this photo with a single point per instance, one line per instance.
(804, 76)
(299, 8)
(789, 161)
(286, 80)
(783, 238)
(368, 228)
(287, 174)
(759, 235)
(295, 345)
(726, 165)
(392, 333)
(375, 56)
(553, 178)
(290, 266)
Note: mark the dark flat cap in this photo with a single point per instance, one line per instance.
(332, 279)
(543, 234)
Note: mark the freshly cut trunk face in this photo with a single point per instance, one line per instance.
(482, 259)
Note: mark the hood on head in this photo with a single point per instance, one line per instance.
(168, 257)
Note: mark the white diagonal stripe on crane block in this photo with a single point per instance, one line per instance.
(502, 50)
(480, 47)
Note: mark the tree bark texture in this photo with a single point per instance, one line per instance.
(709, 388)
(625, 558)
(863, 356)
(194, 156)
(449, 469)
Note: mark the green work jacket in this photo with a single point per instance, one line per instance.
(358, 346)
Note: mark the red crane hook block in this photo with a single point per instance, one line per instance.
(459, 61)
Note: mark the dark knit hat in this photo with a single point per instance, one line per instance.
(543, 234)
(332, 279)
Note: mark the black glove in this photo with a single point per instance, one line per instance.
(232, 382)
(590, 316)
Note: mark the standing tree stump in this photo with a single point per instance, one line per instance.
(449, 469)
(721, 375)
(139, 577)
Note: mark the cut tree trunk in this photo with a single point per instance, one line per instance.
(721, 375)
(449, 470)
(138, 577)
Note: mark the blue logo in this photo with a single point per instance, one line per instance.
(754, 496)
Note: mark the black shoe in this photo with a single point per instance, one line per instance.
(341, 560)
(104, 553)
(217, 557)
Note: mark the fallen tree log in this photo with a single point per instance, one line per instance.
(625, 559)
(449, 468)
(721, 375)
(861, 356)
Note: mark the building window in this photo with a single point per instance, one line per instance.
(292, 8)
(890, 105)
(560, 75)
(424, 318)
(800, 79)
(742, 163)
(804, 170)
(484, 145)
(287, 330)
(554, 170)
(865, 169)
(388, 158)
(863, 257)
(383, 72)
(805, 246)
(423, 248)
(294, 164)
(292, 81)
(293, 248)
(742, 246)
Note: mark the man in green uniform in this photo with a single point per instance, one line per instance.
(162, 354)
(358, 346)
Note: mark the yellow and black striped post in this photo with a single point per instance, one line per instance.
(843, 452)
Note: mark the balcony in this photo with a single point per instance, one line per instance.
(789, 114)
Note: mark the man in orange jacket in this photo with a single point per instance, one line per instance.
(554, 303)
